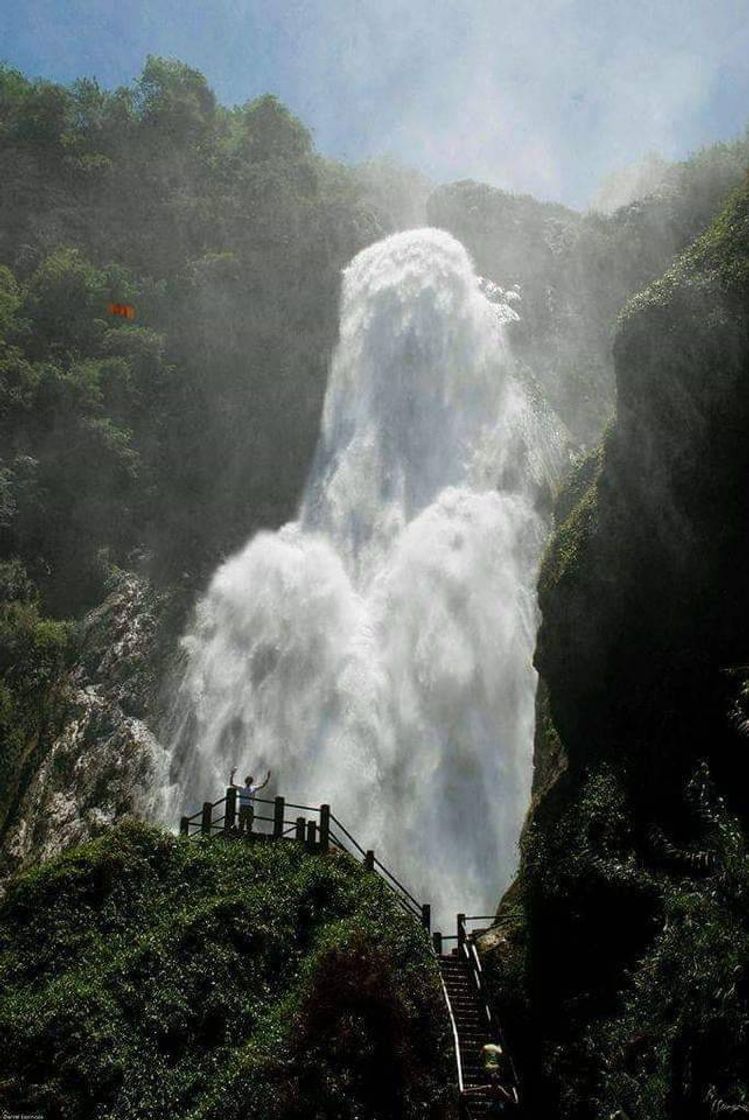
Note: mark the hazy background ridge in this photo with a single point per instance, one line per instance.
(545, 98)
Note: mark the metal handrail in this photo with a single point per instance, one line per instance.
(476, 970)
(348, 835)
(401, 893)
(403, 902)
(474, 964)
(400, 886)
(456, 1040)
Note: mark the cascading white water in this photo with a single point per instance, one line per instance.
(377, 652)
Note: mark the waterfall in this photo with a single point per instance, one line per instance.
(377, 652)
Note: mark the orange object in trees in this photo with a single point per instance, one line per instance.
(125, 310)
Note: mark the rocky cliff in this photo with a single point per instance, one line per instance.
(99, 759)
(622, 953)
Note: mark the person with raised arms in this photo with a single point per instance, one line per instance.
(247, 794)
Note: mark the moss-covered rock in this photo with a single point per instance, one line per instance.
(147, 976)
(631, 915)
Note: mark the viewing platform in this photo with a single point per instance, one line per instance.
(319, 830)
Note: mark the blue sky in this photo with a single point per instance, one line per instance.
(544, 97)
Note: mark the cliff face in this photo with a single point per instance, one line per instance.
(575, 272)
(626, 929)
(100, 759)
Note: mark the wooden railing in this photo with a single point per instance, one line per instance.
(319, 831)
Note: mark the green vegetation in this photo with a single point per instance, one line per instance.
(146, 976)
(33, 652)
(179, 435)
(627, 930)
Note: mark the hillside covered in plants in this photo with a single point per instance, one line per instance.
(143, 976)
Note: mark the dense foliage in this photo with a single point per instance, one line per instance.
(33, 652)
(630, 924)
(576, 271)
(227, 233)
(146, 976)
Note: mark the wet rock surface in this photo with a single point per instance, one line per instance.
(104, 763)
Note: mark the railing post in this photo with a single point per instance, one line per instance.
(311, 834)
(231, 809)
(461, 930)
(426, 916)
(301, 825)
(279, 808)
(206, 818)
(184, 826)
(437, 942)
(324, 828)
(369, 860)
